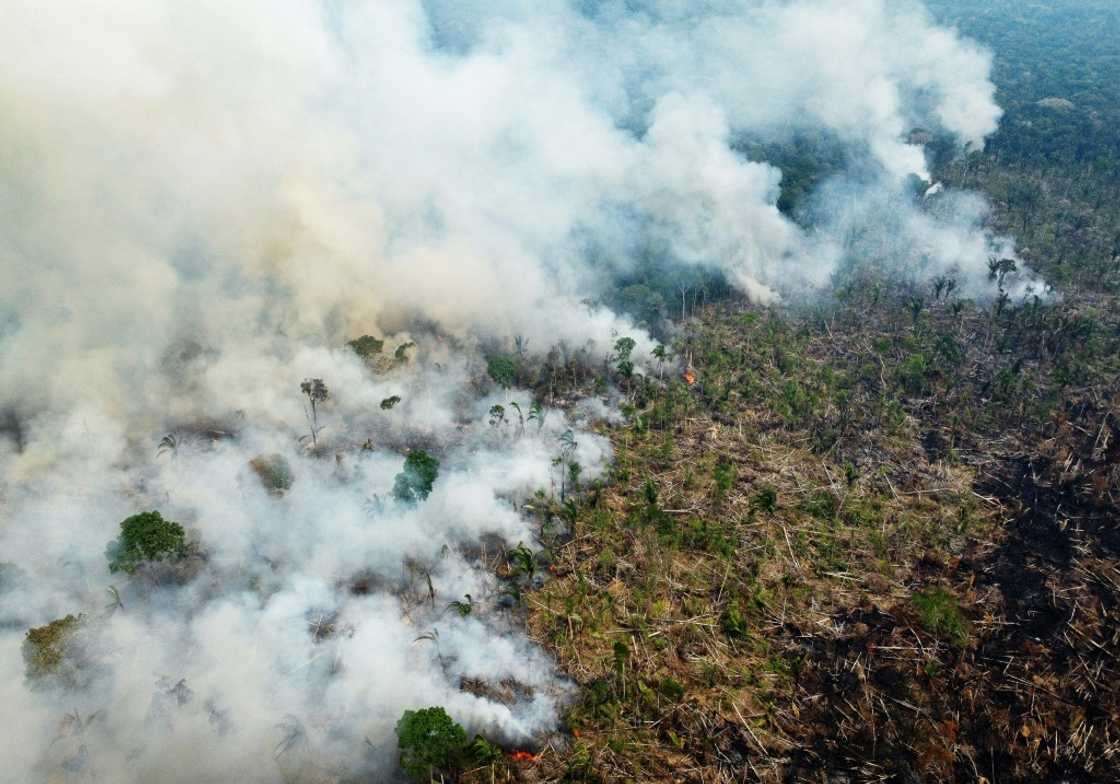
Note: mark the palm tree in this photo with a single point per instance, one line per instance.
(316, 392)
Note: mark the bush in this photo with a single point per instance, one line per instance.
(146, 537)
(724, 476)
(367, 346)
(823, 505)
(913, 374)
(734, 622)
(940, 615)
(414, 483)
(766, 499)
(430, 742)
(47, 648)
(389, 403)
(274, 472)
(503, 370)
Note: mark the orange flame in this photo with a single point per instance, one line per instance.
(689, 377)
(524, 756)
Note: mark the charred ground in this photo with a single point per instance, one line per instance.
(873, 542)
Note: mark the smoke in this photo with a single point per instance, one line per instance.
(202, 202)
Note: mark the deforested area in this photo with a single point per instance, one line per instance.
(630, 391)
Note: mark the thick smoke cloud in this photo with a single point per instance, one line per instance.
(201, 202)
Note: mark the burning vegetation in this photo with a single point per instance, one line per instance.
(556, 392)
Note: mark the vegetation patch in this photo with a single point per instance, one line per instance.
(940, 615)
(414, 483)
(46, 648)
(146, 538)
(274, 471)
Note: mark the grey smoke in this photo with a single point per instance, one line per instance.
(201, 202)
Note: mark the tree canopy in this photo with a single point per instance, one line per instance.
(146, 537)
(414, 483)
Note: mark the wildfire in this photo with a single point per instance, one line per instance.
(524, 756)
(689, 377)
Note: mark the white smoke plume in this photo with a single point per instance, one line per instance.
(202, 202)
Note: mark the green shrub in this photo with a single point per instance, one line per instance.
(503, 370)
(940, 615)
(724, 476)
(414, 483)
(671, 689)
(734, 622)
(483, 752)
(823, 505)
(401, 354)
(430, 743)
(367, 346)
(146, 537)
(914, 373)
(766, 499)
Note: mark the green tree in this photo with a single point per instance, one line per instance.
(624, 347)
(660, 353)
(414, 483)
(430, 742)
(401, 354)
(144, 538)
(367, 346)
(503, 370)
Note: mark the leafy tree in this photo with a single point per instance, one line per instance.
(414, 483)
(624, 347)
(389, 403)
(646, 305)
(401, 354)
(430, 743)
(503, 370)
(144, 538)
(367, 346)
